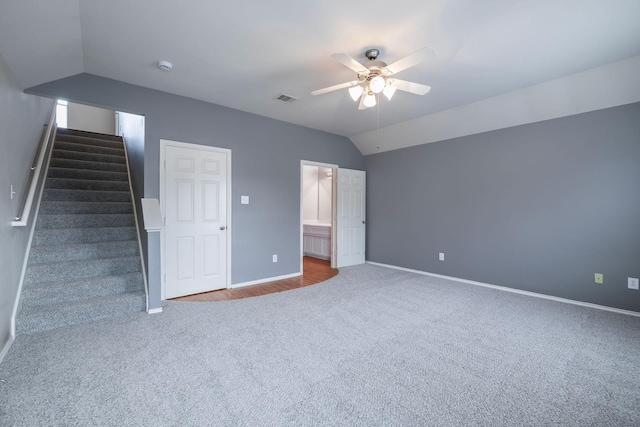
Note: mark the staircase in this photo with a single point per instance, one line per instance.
(84, 263)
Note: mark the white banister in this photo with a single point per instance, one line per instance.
(153, 223)
(21, 221)
(152, 215)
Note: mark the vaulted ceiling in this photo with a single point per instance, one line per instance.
(242, 54)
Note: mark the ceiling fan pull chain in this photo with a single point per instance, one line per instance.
(378, 96)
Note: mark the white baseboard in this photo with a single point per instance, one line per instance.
(515, 291)
(268, 279)
(6, 347)
(154, 310)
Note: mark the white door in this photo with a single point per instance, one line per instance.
(196, 220)
(350, 218)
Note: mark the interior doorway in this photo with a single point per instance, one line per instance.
(317, 211)
(342, 238)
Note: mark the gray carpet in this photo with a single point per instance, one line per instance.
(84, 262)
(370, 347)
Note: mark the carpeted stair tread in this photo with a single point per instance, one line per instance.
(60, 194)
(83, 184)
(83, 235)
(69, 270)
(91, 165)
(84, 263)
(87, 140)
(104, 136)
(87, 174)
(67, 314)
(78, 251)
(95, 149)
(75, 207)
(50, 293)
(87, 157)
(85, 220)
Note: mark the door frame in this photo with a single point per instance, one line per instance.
(334, 210)
(163, 145)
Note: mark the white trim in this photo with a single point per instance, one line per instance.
(154, 310)
(512, 290)
(163, 144)
(318, 164)
(6, 347)
(334, 200)
(268, 279)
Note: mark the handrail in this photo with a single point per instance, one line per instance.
(21, 221)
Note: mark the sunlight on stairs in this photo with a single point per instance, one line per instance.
(84, 263)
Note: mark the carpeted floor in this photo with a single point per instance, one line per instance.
(370, 347)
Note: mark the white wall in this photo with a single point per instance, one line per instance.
(90, 119)
(22, 119)
(599, 88)
(316, 197)
(324, 195)
(309, 192)
(132, 128)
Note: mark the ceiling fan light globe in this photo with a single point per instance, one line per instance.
(369, 100)
(355, 92)
(388, 91)
(377, 84)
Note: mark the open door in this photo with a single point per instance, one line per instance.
(350, 221)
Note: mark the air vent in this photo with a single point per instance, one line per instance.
(287, 99)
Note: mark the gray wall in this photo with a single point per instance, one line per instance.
(22, 119)
(266, 158)
(539, 207)
(131, 127)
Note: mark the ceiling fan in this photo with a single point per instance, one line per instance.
(376, 76)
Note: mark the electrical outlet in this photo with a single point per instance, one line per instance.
(441, 256)
(275, 258)
(599, 278)
(632, 283)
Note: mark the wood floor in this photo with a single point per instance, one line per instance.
(314, 271)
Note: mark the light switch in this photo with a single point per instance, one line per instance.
(244, 200)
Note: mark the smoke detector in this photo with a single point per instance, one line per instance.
(165, 65)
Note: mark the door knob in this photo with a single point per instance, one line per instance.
(223, 228)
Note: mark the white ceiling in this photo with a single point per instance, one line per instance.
(242, 54)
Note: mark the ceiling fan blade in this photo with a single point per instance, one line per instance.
(411, 60)
(350, 62)
(335, 87)
(410, 87)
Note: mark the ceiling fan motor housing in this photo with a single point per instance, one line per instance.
(372, 54)
(374, 68)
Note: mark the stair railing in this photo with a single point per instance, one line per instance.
(36, 170)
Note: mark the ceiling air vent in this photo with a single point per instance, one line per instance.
(287, 99)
